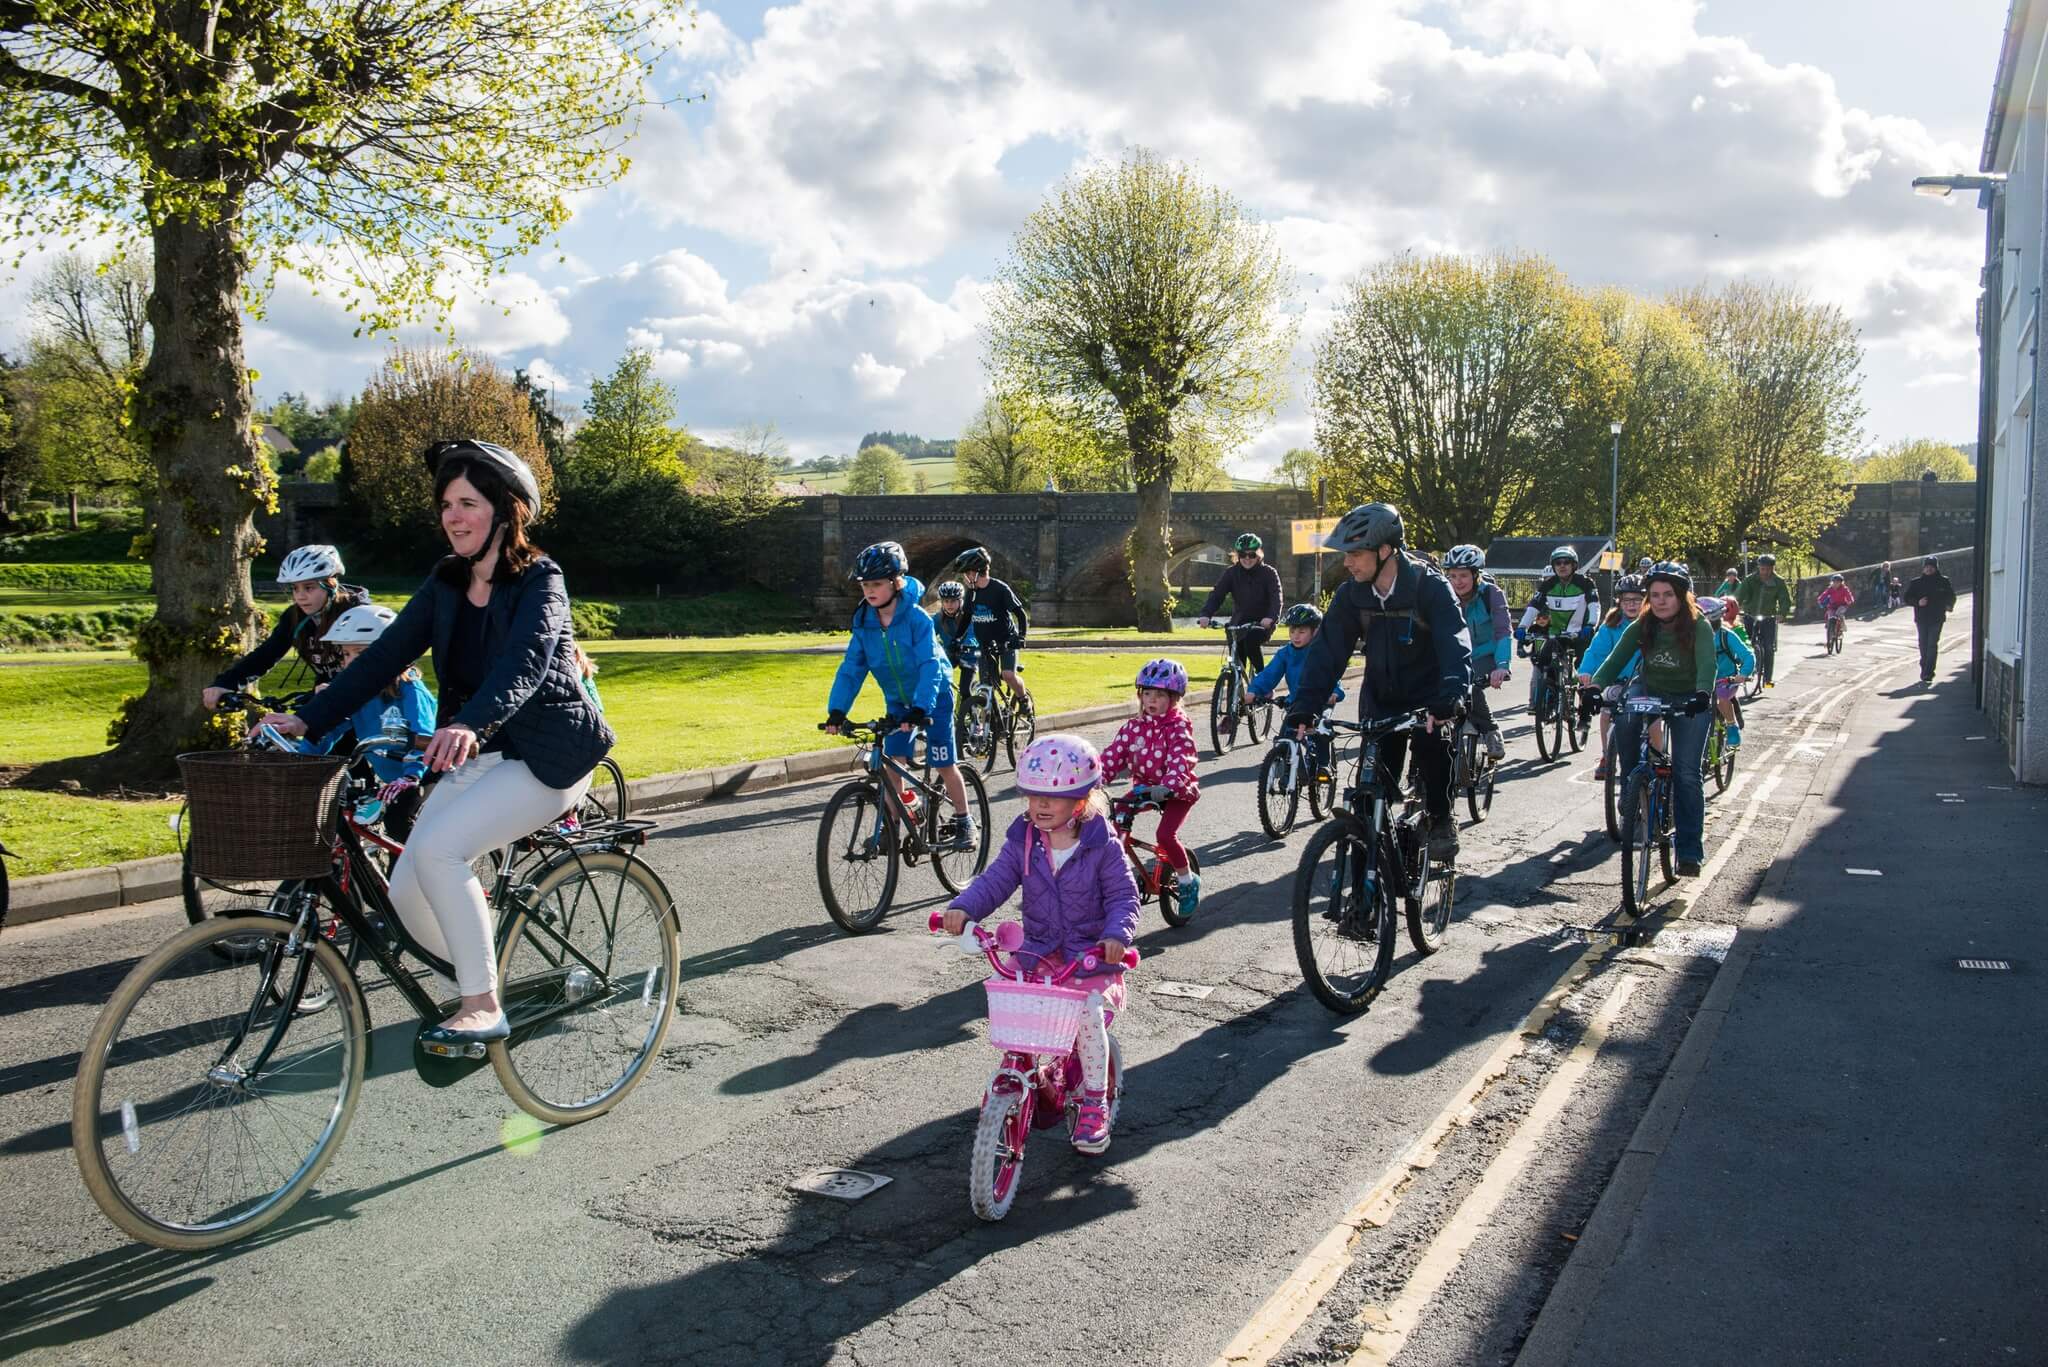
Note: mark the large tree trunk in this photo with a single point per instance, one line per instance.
(194, 405)
(1152, 539)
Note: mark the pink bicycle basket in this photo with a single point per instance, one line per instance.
(1034, 1018)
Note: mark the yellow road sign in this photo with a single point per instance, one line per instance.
(1309, 533)
(1609, 560)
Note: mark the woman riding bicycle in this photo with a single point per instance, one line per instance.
(313, 574)
(1675, 644)
(518, 734)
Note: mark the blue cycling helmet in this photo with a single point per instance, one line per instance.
(952, 589)
(883, 560)
(1671, 572)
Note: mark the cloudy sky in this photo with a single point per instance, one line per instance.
(806, 244)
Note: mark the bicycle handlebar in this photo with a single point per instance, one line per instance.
(991, 945)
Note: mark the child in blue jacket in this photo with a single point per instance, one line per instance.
(1628, 605)
(1301, 622)
(403, 705)
(895, 641)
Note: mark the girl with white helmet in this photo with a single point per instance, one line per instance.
(404, 705)
(319, 598)
(1079, 896)
(1158, 747)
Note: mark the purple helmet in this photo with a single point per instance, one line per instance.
(1166, 674)
(1058, 766)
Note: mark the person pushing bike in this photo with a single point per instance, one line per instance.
(1418, 654)
(1253, 588)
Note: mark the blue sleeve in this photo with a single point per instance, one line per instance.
(931, 661)
(1265, 680)
(1329, 652)
(1744, 657)
(1596, 653)
(1503, 625)
(853, 672)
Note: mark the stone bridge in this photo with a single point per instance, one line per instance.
(1901, 521)
(1064, 553)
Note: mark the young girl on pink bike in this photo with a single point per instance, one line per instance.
(1079, 898)
(1158, 748)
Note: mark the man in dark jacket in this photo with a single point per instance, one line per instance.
(1932, 597)
(1418, 654)
(1253, 588)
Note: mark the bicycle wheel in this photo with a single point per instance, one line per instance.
(588, 974)
(1429, 916)
(206, 900)
(1279, 794)
(1478, 781)
(982, 726)
(1612, 784)
(180, 1139)
(1638, 838)
(1343, 918)
(1717, 747)
(1542, 710)
(607, 799)
(857, 867)
(1724, 773)
(1169, 892)
(1223, 712)
(1022, 730)
(957, 868)
(996, 1167)
(1258, 720)
(1575, 720)
(1322, 793)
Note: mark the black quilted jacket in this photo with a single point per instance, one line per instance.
(531, 688)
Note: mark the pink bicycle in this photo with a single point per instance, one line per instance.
(1034, 1020)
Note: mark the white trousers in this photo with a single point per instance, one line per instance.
(488, 802)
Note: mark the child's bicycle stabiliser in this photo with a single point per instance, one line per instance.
(1034, 1018)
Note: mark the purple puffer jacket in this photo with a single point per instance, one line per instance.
(1093, 898)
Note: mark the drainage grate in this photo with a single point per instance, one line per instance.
(841, 1184)
(1986, 965)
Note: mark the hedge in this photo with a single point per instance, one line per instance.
(47, 630)
(116, 577)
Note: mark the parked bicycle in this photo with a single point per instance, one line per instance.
(1359, 872)
(1294, 768)
(212, 1093)
(1232, 713)
(992, 716)
(1647, 806)
(1034, 1018)
(1157, 880)
(885, 819)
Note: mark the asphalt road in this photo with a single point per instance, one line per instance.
(1253, 1124)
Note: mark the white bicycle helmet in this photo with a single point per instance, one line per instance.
(310, 562)
(1464, 558)
(359, 625)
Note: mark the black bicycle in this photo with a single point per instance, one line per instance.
(1763, 639)
(213, 1090)
(1554, 701)
(1355, 877)
(1232, 713)
(887, 818)
(1647, 806)
(993, 716)
(1294, 768)
(1472, 770)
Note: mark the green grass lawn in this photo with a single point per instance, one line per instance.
(674, 709)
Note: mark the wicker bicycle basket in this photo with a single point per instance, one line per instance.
(1033, 1018)
(261, 815)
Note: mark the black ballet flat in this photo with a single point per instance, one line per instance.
(442, 1042)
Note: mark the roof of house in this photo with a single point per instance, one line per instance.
(2016, 16)
(275, 440)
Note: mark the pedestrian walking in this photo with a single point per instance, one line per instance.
(1932, 597)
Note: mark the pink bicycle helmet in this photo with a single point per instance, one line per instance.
(1058, 766)
(1166, 674)
(1710, 607)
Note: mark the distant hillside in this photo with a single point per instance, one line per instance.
(939, 471)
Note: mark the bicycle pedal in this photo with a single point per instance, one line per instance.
(472, 1049)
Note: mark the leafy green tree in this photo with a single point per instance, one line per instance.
(88, 340)
(323, 466)
(1461, 390)
(554, 439)
(1299, 469)
(878, 470)
(1140, 304)
(746, 470)
(997, 453)
(17, 461)
(629, 427)
(1790, 414)
(393, 150)
(1913, 457)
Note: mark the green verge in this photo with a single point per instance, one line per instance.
(673, 710)
(119, 577)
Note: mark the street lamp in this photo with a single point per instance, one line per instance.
(1991, 186)
(1614, 493)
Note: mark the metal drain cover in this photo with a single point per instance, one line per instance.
(841, 1184)
(1193, 991)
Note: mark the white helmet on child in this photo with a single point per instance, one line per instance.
(310, 562)
(359, 625)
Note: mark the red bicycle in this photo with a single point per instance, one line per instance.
(1157, 880)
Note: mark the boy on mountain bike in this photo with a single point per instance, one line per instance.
(1301, 622)
(1158, 747)
(894, 640)
(994, 608)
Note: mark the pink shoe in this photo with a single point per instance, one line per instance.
(1091, 1126)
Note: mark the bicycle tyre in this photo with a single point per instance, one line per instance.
(1351, 889)
(1479, 789)
(1277, 808)
(607, 798)
(1322, 794)
(995, 1168)
(1223, 712)
(1258, 720)
(1638, 836)
(1429, 916)
(1717, 749)
(1725, 770)
(1022, 730)
(1568, 718)
(1169, 893)
(631, 1023)
(1612, 784)
(957, 868)
(1541, 709)
(858, 809)
(186, 966)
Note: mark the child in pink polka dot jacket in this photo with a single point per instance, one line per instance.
(1158, 748)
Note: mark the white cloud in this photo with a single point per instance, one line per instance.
(876, 380)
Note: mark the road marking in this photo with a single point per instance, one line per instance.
(1289, 1307)
(1866, 873)
(1387, 1328)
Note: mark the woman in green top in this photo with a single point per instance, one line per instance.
(1676, 644)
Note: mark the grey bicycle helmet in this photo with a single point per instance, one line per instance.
(1767, 559)
(1628, 583)
(1570, 553)
(1464, 558)
(1672, 573)
(1365, 527)
(517, 474)
(1301, 615)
